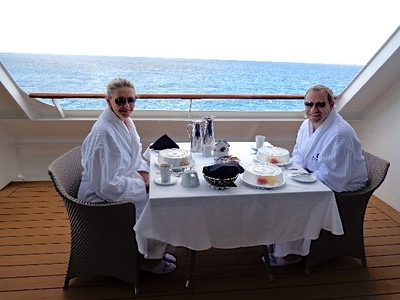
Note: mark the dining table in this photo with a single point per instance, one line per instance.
(202, 217)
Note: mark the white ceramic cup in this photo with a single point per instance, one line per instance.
(165, 172)
(260, 139)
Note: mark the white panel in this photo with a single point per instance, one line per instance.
(8, 160)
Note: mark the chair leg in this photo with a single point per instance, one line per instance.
(66, 282)
(364, 262)
(267, 264)
(137, 289)
(136, 272)
(188, 283)
(307, 271)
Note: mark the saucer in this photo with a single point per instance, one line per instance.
(266, 144)
(172, 181)
(306, 178)
(180, 168)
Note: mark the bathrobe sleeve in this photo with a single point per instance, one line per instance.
(335, 163)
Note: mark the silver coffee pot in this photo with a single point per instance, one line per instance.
(208, 135)
(201, 133)
(195, 133)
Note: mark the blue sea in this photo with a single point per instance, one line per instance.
(75, 74)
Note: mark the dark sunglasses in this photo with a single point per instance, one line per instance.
(121, 100)
(317, 104)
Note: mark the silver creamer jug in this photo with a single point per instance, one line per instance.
(195, 133)
(190, 178)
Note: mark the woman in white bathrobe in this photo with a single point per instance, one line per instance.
(328, 147)
(114, 169)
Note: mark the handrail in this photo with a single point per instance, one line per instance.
(168, 96)
(56, 97)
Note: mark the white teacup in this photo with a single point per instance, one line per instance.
(260, 139)
(165, 172)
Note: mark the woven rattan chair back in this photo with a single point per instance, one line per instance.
(352, 207)
(102, 238)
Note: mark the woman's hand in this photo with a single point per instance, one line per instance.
(145, 176)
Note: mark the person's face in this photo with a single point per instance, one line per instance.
(124, 109)
(320, 109)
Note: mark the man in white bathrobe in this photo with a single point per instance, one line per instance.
(328, 147)
(114, 169)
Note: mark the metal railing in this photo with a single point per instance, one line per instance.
(56, 97)
(169, 96)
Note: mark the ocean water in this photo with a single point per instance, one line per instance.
(74, 74)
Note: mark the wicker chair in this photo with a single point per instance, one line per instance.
(102, 238)
(352, 206)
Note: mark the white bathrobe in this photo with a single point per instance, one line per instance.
(333, 154)
(111, 158)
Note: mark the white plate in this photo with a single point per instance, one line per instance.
(172, 181)
(181, 167)
(304, 178)
(279, 165)
(266, 144)
(263, 187)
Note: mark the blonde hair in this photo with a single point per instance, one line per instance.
(320, 87)
(118, 83)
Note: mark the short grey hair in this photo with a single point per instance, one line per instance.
(118, 83)
(320, 87)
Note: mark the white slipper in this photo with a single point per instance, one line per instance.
(162, 268)
(169, 258)
(280, 261)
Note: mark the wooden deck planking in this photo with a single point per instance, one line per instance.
(34, 251)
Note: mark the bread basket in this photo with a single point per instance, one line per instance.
(221, 183)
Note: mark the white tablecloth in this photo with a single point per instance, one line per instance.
(202, 217)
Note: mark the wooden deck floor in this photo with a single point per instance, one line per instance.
(34, 250)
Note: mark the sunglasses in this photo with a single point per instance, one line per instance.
(317, 104)
(121, 100)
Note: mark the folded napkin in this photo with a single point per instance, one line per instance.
(223, 171)
(163, 142)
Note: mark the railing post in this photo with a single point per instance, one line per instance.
(59, 108)
(190, 108)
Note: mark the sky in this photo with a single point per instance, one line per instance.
(311, 31)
